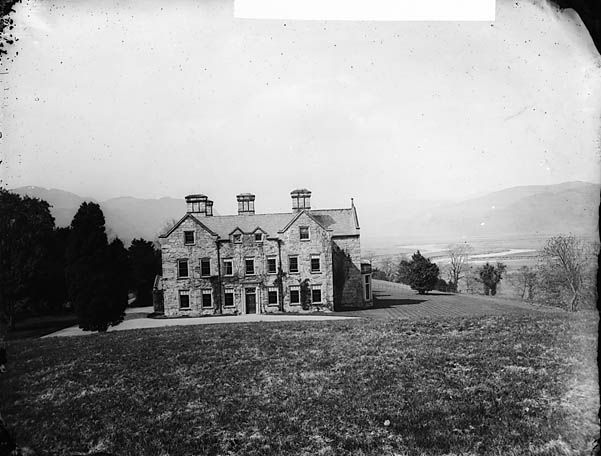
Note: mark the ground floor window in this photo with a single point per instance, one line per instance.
(316, 294)
(206, 299)
(184, 299)
(368, 288)
(294, 295)
(272, 296)
(228, 300)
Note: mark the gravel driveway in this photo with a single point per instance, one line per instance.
(392, 301)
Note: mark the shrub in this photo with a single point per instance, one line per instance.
(490, 276)
(442, 285)
(423, 274)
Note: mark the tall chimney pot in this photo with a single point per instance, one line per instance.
(246, 203)
(197, 204)
(301, 200)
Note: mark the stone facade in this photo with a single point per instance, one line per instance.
(301, 261)
(347, 271)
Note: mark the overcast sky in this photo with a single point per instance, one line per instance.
(155, 98)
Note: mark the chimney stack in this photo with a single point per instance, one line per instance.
(197, 205)
(301, 200)
(246, 203)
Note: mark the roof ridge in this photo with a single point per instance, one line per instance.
(250, 215)
(333, 209)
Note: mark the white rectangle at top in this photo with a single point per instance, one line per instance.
(367, 10)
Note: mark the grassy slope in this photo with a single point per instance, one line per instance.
(498, 385)
(41, 325)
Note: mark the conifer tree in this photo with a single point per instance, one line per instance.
(145, 262)
(93, 270)
(25, 230)
(119, 274)
(422, 274)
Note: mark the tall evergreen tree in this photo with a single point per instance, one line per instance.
(145, 262)
(404, 272)
(51, 289)
(92, 271)
(25, 229)
(119, 271)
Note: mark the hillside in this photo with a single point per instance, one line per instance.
(537, 210)
(543, 210)
(126, 217)
(514, 212)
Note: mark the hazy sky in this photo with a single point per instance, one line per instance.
(155, 98)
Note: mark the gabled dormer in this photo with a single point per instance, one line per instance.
(259, 235)
(236, 236)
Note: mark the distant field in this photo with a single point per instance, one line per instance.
(514, 246)
(513, 251)
(505, 385)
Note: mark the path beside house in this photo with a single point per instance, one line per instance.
(143, 322)
(393, 301)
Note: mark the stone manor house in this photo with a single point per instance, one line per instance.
(298, 261)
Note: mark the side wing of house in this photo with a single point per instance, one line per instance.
(307, 281)
(348, 280)
(190, 264)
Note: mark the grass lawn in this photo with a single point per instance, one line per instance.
(505, 385)
(41, 325)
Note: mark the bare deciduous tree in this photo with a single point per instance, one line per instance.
(564, 262)
(525, 282)
(471, 280)
(167, 225)
(459, 260)
(389, 267)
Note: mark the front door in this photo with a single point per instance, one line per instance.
(251, 301)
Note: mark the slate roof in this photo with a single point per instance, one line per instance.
(342, 222)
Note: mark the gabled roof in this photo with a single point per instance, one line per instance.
(340, 222)
(174, 227)
(295, 218)
(343, 222)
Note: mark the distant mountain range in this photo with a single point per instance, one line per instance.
(126, 217)
(517, 211)
(550, 209)
(536, 210)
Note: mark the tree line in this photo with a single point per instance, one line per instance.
(46, 269)
(564, 275)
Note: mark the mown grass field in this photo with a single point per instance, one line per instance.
(505, 385)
